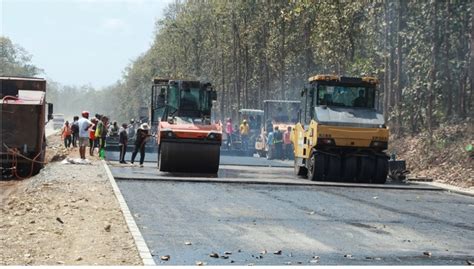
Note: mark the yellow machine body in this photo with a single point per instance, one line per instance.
(340, 136)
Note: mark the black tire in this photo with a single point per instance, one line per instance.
(333, 169)
(300, 171)
(366, 169)
(39, 164)
(315, 167)
(381, 170)
(349, 169)
(23, 169)
(161, 166)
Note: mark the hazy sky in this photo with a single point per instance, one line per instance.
(81, 42)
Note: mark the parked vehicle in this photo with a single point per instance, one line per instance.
(22, 129)
(58, 121)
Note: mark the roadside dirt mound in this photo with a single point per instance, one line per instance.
(55, 149)
(440, 156)
(67, 214)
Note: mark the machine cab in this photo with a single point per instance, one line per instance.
(341, 100)
(191, 100)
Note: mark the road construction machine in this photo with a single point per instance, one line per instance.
(181, 114)
(22, 126)
(340, 135)
(237, 146)
(281, 113)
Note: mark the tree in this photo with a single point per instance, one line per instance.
(15, 60)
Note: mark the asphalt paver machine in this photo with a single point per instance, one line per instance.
(281, 113)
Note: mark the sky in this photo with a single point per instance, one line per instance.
(81, 42)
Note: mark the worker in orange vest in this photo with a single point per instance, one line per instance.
(66, 133)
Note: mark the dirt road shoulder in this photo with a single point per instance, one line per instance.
(67, 214)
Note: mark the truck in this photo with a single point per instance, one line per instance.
(22, 130)
(58, 121)
(341, 136)
(281, 113)
(187, 139)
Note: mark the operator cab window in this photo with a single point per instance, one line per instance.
(345, 96)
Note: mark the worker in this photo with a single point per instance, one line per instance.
(92, 138)
(229, 130)
(278, 143)
(287, 146)
(142, 137)
(123, 141)
(66, 134)
(101, 134)
(84, 124)
(131, 129)
(360, 101)
(244, 134)
(162, 97)
(188, 101)
(269, 144)
(114, 129)
(75, 131)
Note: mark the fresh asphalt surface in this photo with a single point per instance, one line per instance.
(342, 225)
(225, 160)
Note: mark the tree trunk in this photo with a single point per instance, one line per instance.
(307, 47)
(471, 66)
(432, 75)
(398, 94)
(386, 80)
(282, 58)
(448, 87)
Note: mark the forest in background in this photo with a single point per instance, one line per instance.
(421, 51)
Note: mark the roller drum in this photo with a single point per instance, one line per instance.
(189, 157)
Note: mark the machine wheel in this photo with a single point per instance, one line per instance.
(381, 170)
(315, 167)
(161, 164)
(23, 169)
(349, 169)
(300, 171)
(38, 166)
(333, 169)
(366, 169)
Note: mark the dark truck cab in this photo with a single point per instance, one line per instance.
(22, 126)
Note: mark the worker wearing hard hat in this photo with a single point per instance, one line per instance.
(244, 134)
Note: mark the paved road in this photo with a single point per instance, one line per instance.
(225, 160)
(372, 226)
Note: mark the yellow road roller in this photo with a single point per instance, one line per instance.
(340, 135)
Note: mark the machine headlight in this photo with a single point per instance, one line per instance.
(326, 141)
(167, 134)
(379, 144)
(214, 136)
